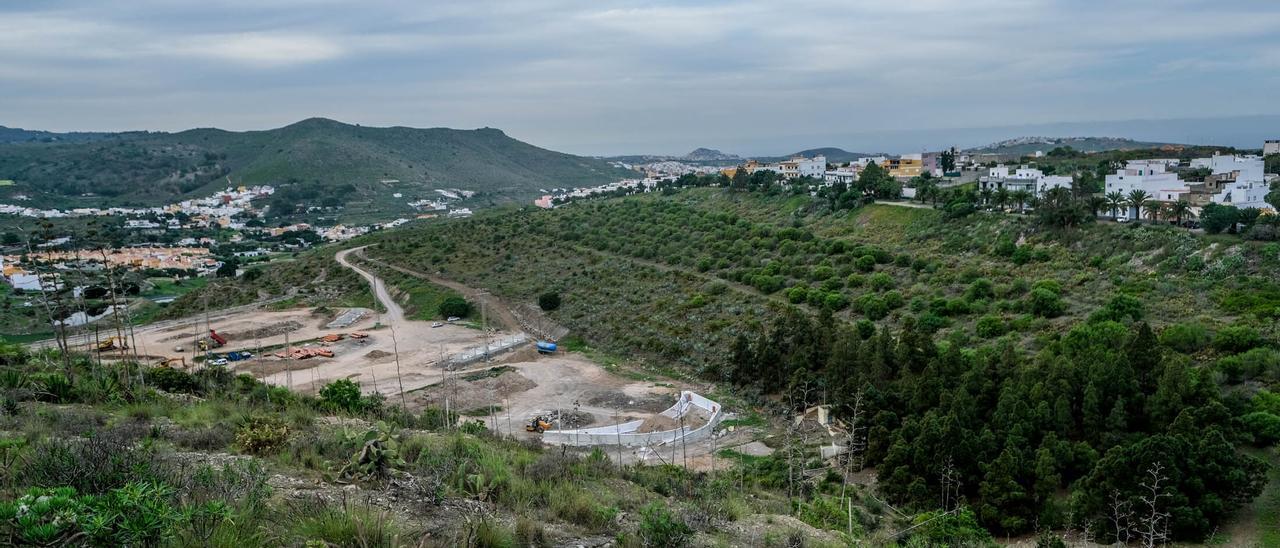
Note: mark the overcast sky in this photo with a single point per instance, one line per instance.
(608, 77)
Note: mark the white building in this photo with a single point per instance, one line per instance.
(1248, 169)
(1024, 178)
(1271, 146)
(1244, 195)
(846, 175)
(1149, 176)
(797, 167)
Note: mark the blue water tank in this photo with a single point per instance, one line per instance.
(546, 347)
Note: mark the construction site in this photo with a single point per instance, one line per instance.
(506, 374)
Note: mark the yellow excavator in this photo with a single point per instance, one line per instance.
(538, 424)
(110, 344)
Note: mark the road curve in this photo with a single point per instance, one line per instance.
(394, 314)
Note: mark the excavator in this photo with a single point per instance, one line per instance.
(110, 344)
(538, 424)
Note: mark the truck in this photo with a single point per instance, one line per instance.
(546, 347)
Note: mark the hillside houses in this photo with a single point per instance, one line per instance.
(1024, 178)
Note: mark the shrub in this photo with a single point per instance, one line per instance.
(798, 294)
(454, 305)
(866, 328)
(530, 533)
(1251, 364)
(172, 380)
(549, 301)
(1120, 307)
(1022, 255)
(981, 288)
(659, 527)
(94, 464)
(262, 435)
(835, 301)
(1044, 303)
(990, 326)
(880, 282)
(1264, 426)
(1236, 339)
(865, 263)
(342, 394)
(1185, 337)
(1004, 247)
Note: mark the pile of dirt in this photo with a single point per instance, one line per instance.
(376, 354)
(272, 330)
(658, 423)
(655, 403)
(576, 419)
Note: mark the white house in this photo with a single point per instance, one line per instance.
(797, 167)
(1271, 146)
(1248, 169)
(1244, 195)
(846, 175)
(1150, 176)
(1024, 178)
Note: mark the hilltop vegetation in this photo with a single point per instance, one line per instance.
(1029, 145)
(322, 158)
(1042, 374)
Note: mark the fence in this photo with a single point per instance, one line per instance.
(478, 353)
(626, 433)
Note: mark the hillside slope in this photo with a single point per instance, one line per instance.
(1029, 145)
(325, 155)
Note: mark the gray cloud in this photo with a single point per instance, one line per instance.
(626, 76)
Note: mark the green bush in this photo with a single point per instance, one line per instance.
(1264, 426)
(1185, 337)
(454, 305)
(342, 394)
(865, 263)
(1236, 339)
(990, 326)
(92, 464)
(262, 435)
(660, 528)
(1045, 303)
(172, 380)
(1119, 308)
(548, 301)
(136, 514)
(880, 281)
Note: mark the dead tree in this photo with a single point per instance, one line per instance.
(1154, 527)
(1121, 517)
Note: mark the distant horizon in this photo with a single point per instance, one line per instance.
(1242, 132)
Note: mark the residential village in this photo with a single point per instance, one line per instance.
(1224, 179)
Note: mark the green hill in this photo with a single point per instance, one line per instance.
(1029, 145)
(360, 166)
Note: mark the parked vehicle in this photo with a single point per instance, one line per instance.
(437, 324)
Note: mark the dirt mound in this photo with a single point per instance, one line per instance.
(576, 419)
(619, 400)
(658, 423)
(266, 331)
(376, 354)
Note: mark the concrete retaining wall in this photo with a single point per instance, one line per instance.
(625, 433)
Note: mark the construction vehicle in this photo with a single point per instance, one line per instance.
(168, 363)
(538, 424)
(111, 343)
(214, 341)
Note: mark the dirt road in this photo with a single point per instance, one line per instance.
(395, 314)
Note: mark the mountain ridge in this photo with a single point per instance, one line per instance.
(319, 156)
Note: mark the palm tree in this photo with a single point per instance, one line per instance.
(1155, 210)
(1002, 197)
(1180, 209)
(1020, 197)
(986, 194)
(1115, 201)
(1138, 198)
(1096, 204)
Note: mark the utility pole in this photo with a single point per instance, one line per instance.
(395, 347)
(288, 359)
